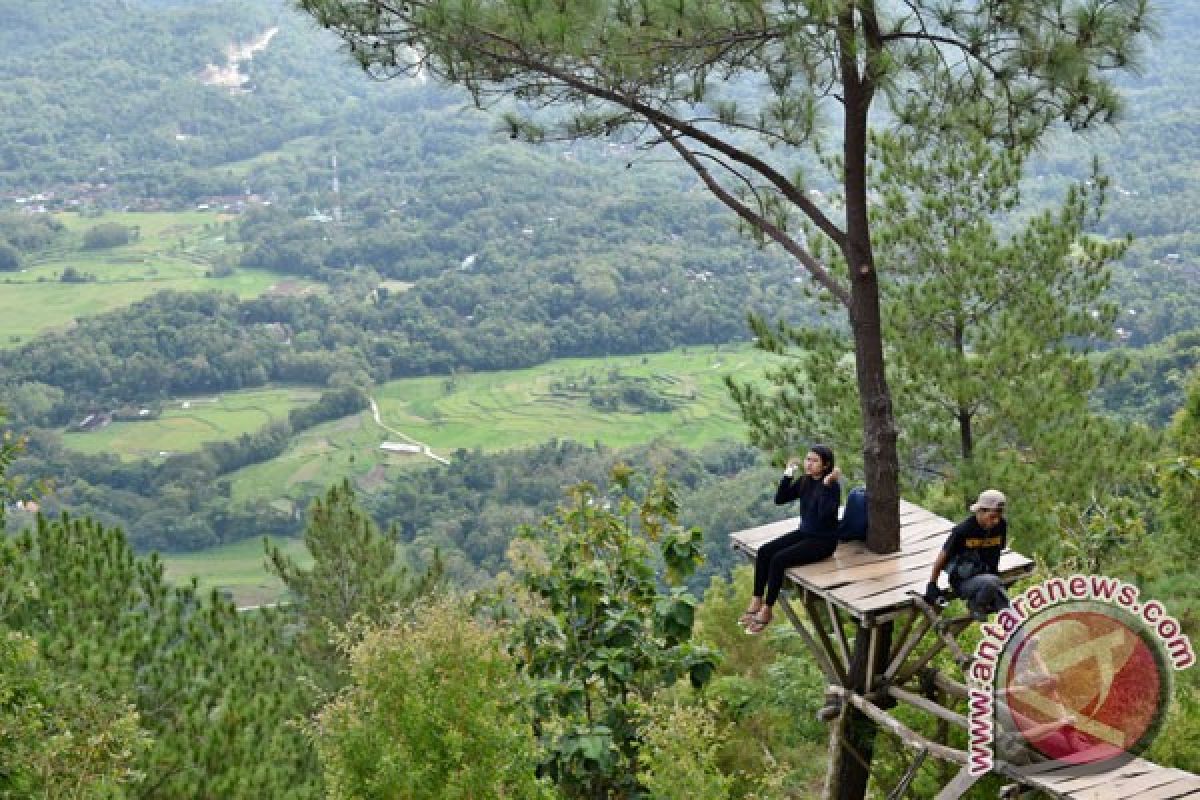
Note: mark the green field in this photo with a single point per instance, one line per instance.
(320, 457)
(500, 410)
(187, 423)
(504, 410)
(238, 568)
(174, 250)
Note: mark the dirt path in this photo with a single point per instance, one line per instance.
(425, 449)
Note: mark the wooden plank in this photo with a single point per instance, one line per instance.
(861, 569)
(898, 577)
(1100, 775)
(928, 706)
(1173, 791)
(848, 556)
(933, 526)
(905, 559)
(907, 735)
(1172, 780)
(1056, 775)
(751, 539)
(1048, 772)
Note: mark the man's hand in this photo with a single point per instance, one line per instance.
(834, 475)
(932, 593)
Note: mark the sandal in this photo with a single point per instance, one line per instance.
(748, 617)
(757, 625)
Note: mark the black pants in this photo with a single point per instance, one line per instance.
(791, 550)
(983, 593)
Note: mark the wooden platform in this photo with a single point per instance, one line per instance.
(872, 587)
(1136, 779)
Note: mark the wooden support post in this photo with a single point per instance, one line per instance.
(907, 778)
(814, 613)
(913, 667)
(873, 655)
(945, 639)
(947, 684)
(902, 633)
(834, 673)
(854, 730)
(914, 638)
(959, 786)
(947, 629)
(838, 630)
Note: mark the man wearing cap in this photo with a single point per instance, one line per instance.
(971, 556)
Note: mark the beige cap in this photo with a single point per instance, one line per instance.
(990, 500)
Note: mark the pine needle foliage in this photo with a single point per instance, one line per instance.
(354, 575)
(215, 690)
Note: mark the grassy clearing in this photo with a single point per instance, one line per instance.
(174, 250)
(504, 410)
(187, 423)
(501, 410)
(320, 457)
(237, 568)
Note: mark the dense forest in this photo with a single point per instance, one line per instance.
(441, 246)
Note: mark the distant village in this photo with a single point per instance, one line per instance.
(86, 196)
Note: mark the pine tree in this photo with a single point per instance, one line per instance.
(739, 92)
(354, 574)
(435, 710)
(1180, 477)
(58, 740)
(988, 324)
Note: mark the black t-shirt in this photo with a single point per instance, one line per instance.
(969, 536)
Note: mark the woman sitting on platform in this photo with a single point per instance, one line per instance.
(819, 494)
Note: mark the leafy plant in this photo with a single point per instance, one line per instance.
(606, 631)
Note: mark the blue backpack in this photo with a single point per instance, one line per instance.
(853, 527)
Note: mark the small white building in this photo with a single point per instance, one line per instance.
(400, 447)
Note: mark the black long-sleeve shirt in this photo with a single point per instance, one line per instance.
(818, 503)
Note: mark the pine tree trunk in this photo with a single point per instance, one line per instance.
(880, 461)
(879, 425)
